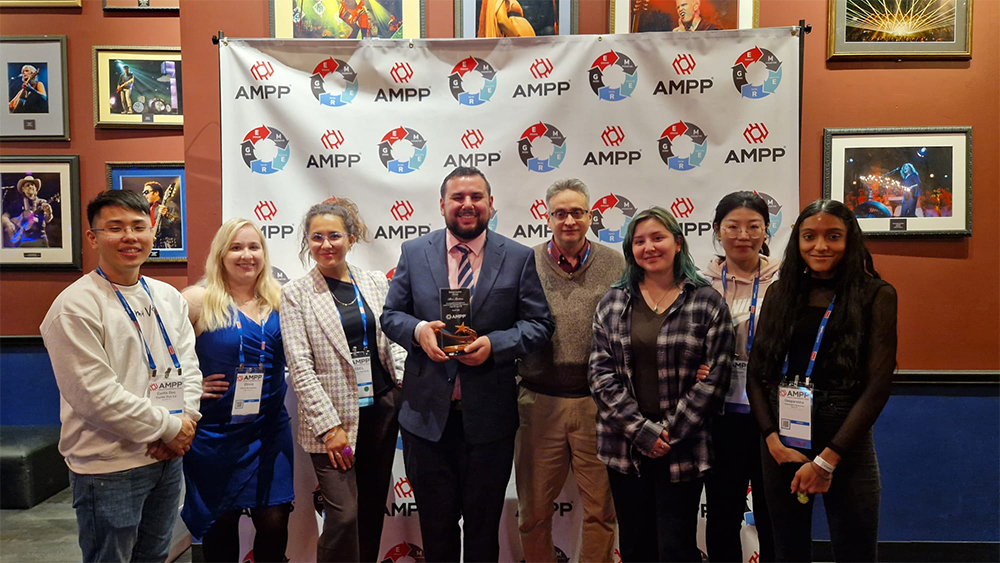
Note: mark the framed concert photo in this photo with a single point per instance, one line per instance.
(634, 16)
(914, 29)
(347, 19)
(516, 18)
(40, 213)
(142, 5)
(162, 184)
(37, 104)
(138, 87)
(912, 181)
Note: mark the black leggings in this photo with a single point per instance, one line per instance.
(222, 541)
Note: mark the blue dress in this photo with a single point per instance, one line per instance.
(232, 466)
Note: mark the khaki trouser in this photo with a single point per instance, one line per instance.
(558, 434)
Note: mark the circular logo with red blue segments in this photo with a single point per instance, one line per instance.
(770, 62)
(617, 93)
(698, 138)
(404, 553)
(318, 82)
(398, 135)
(774, 210)
(528, 138)
(601, 210)
(253, 140)
(462, 70)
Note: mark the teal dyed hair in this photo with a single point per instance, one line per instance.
(684, 268)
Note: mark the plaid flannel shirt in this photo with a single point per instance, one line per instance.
(697, 330)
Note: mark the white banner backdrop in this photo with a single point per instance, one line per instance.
(670, 119)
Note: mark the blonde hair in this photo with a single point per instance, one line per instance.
(218, 305)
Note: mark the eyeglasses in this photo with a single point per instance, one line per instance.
(754, 231)
(118, 231)
(332, 236)
(561, 215)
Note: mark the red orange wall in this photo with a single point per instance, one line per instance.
(949, 290)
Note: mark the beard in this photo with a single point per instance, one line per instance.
(468, 233)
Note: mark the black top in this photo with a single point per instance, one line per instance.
(350, 317)
(868, 384)
(645, 373)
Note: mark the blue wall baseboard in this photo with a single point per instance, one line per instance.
(938, 447)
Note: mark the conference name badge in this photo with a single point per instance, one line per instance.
(736, 398)
(362, 360)
(167, 392)
(795, 414)
(249, 387)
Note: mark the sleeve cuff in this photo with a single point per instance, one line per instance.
(646, 438)
(416, 332)
(173, 428)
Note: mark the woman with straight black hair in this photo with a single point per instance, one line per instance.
(742, 275)
(822, 365)
(654, 331)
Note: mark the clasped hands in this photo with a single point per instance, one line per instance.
(177, 447)
(810, 478)
(476, 353)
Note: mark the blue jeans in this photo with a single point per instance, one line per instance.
(128, 515)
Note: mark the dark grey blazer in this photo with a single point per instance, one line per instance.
(508, 306)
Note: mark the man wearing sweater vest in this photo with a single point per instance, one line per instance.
(558, 429)
(122, 350)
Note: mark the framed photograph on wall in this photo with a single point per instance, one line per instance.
(142, 5)
(347, 19)
(633, 16)
(37, 104)
(138, 87)
(902, 181)
(516, 18)
(40, 213)
(900, 29)
(162, 184)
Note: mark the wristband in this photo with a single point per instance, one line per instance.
(824, 465)
(330, 434)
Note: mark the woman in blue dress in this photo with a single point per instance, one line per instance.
(241, 457)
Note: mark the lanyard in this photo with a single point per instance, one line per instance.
(815, 350)
(239, 328)
(135, 321)
(361, 308)
(751, 329)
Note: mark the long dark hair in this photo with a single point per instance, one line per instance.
(736, 200)
(791, 294)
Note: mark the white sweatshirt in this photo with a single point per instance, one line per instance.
(102, 371)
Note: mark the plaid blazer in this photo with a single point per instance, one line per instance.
(319, 357)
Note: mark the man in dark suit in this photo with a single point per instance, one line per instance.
(459, 416)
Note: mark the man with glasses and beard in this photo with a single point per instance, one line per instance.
(459, 415)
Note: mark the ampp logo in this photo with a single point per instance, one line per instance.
(403, 488)
(401, 73)
(684, 63)
(472, 139)
(613, 136)
(402, 210)
(755, 133)
(539, 210)
(682, 207)
(332, 139)
(265, 210)
(154, 386)
(541, 68)
(262, 70)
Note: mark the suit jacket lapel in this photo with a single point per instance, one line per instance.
(493, 255)
(326, 311)
(437, 259)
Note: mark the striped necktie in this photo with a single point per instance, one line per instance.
(465, 269)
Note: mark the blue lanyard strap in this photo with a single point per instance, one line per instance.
(361, 308)
(239, 329)
(819, 339)
(753, 303)
(135, 321)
